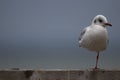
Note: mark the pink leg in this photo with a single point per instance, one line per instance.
(97, 58)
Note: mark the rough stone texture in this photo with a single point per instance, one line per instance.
(59, 75)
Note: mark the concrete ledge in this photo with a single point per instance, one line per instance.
(17, 74)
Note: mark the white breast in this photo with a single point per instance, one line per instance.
(95, 38)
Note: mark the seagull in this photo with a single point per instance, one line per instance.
(95, 37)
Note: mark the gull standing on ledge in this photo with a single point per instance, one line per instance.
(95, 36)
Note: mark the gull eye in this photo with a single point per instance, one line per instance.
(100, 20)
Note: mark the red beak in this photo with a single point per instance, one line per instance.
(108, 24)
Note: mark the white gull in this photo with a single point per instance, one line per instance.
(95, 36)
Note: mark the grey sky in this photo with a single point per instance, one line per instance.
(40, 34)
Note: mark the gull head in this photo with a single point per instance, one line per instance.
(101, 21)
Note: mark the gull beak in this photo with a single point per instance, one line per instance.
(107, 24)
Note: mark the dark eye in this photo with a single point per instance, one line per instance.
(100, 20)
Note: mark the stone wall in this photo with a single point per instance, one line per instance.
(59, 74)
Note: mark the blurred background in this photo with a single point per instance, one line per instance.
(43, 34)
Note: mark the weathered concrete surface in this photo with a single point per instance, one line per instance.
(59, 75)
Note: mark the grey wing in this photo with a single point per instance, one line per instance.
(82, 33)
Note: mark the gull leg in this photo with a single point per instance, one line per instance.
(97, 58)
